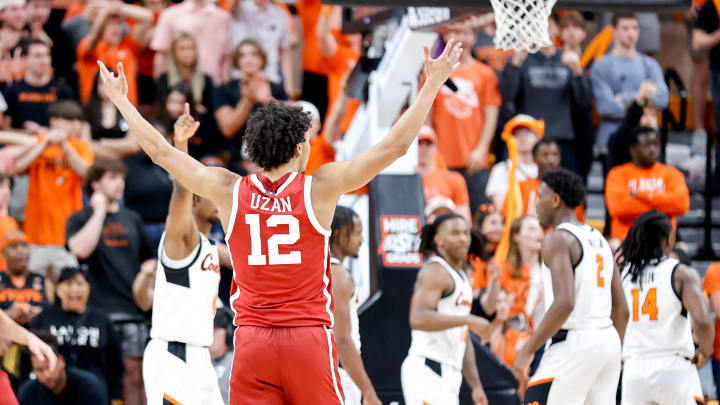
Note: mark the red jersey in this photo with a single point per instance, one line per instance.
(280, 254)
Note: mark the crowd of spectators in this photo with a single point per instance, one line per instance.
(82, 208)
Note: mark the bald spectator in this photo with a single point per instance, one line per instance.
(209, 24)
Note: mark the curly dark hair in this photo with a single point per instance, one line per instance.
(643, 244)
(273, 132)
(568, 185)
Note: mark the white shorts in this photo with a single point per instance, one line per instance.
(353, 395)
(422, 385)
(583, 369)
(667, 380)
(170, 379)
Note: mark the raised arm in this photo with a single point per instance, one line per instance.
(337, 178)
(93, 37)
(181, 232)
(209, 182)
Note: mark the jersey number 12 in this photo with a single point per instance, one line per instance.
(256, 257)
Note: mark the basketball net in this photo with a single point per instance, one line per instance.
(522, 25)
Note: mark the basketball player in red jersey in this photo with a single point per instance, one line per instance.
(277, 228)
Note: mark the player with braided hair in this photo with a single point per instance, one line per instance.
(584, 300)
(440, 352)
(345, 241)
(658, 350)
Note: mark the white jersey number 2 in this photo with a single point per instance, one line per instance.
(256, 257)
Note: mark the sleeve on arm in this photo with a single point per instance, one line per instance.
(65, 92)
(705, 17)
(604, 98)
(712, 279)
(222, 96)
(511, 88)
(492, 89)
(662, 95)
(162, 36)
(84, 149)
(676, 198)
(286, 39)
(278, 92)
(146, 248)
(498, 180)
(74, 224)
(459, 189)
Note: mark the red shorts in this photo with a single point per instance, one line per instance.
(278, 366)
(7, 396)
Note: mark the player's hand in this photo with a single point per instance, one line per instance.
(370, 398)
(99, 202)
(41, 350)
(116, 87)
(476, 161)
(700, 358)
(521, 368)
(480, 327)
(440, 69)
(478, 396)
(185, 126)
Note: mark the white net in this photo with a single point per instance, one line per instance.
(522, 25)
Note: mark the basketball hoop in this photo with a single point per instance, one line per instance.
(522, 25)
